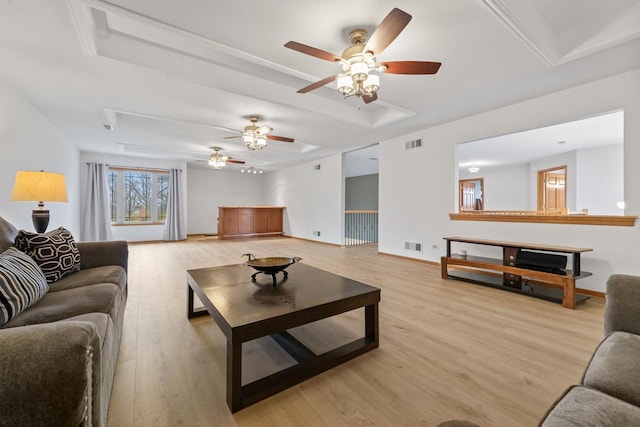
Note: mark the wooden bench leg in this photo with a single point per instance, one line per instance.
(569, 292)
(443, 267)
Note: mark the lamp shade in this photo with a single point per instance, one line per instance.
(34, 186)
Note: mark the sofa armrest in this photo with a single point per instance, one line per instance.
(99, 254)
(46, 374)
(622, 312)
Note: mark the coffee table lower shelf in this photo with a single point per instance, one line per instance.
(309, 365)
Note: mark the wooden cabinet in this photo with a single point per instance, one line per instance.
(249, 221)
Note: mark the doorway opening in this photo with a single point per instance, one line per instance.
(471, 194)
(552, 189)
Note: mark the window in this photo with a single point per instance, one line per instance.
(138, 196)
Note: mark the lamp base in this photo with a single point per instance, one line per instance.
(40, 218)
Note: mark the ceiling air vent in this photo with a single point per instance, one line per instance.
(414, 143)
(316, 167)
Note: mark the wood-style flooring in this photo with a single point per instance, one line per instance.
(448, 349)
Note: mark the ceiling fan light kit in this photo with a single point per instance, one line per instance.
(217, 161)
(357, 78)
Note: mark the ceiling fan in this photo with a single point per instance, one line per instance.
(218, 161)
(359, 62)
(255, 137)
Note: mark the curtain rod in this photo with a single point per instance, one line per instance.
(139, 168)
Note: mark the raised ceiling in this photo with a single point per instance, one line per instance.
(172, 77)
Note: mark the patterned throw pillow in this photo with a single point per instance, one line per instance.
(55, 252)
(21, 283)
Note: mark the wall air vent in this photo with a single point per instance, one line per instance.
(316, 167)
(413, 246)
(414, 143)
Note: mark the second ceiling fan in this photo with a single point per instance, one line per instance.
(359, 62)
(218, 161)
(255, 137)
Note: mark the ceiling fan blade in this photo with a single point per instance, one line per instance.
(240, 162)
(411, 67)
(231, 137)
(279, 138)
(264, 129)
(316, 85)
(387, 31)
(313, 51)
(369, 98)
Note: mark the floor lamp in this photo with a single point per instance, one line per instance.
(33, 186)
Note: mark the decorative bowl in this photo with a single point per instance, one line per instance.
(270, 265)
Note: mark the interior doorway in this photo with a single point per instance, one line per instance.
(552, 188)
(471, 194)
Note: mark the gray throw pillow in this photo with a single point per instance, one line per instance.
(22, 283)
(55, 252)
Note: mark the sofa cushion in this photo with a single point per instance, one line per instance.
(101, 298)
(91, 276)
(615, 367)
(8, 234)
(46, 374)
(22, 284)
(582, 406)
(55, 252)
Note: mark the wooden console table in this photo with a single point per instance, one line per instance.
(554, 284)
(250, 221)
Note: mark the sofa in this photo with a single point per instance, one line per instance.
(609, 392)
(58, 356)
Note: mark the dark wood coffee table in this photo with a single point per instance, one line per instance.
(246, 310)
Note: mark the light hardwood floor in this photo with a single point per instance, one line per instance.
(448, 349)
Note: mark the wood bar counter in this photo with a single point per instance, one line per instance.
(250, 221)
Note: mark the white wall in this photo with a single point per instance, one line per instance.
(361, 192)
(313, 199)
(505, 188)
(208, 189)
(600, 179)
(132, 233)
(414, 211)
(28, 141)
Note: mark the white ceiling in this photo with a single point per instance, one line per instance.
(173, 77)
(524, 147)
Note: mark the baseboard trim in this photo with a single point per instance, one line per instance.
(315, 241)
(424, 261)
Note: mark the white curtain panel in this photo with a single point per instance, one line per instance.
(175, 228)
(96, 220)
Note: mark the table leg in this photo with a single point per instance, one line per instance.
(189, 302)
(576, 264)
(234, 376)
(371, 324)
(443, 267)
(191, 311)
(568, 292)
